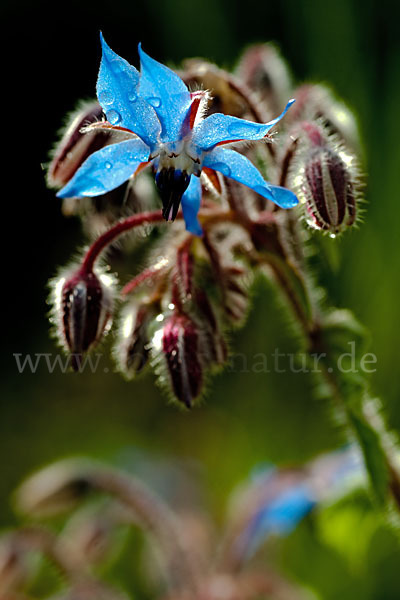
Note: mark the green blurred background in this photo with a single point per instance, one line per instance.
(247, 417)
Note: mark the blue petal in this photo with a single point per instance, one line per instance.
(190, 202)
(166, 92)
(223, 128)
(238, 167)
(106, 169)
(279, 516)
(118, 94)
(282, 514)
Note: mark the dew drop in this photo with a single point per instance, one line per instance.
(108, 165)
(239, 129)
(113, 117)
(132, 97)
(94, 187)
(222, 168)
(116, 65)
(106, 97)
(154, 101)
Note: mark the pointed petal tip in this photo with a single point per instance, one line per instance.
(195, 229)
(283, 197)
(141, 52)
(102, 40)
(104, 46)
(62, 193)
(288, 105)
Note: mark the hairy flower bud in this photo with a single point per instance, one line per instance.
(178, 347)
(326, 180)
(83, 306)
(264, 71)
(226, 97)
(132, 351)
(75, 146)
(216, 349)
(315, 101)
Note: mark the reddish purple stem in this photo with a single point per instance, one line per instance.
(115, 231)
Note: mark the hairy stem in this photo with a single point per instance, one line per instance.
(114, 232)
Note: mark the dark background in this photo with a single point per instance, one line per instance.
(50, 60)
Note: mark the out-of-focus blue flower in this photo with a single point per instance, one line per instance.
(279, 499)
(161, 123)
(278, 515)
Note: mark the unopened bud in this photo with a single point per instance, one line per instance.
(264, 71)
(177, 347)
(132, 350)
(215, 345)
(327, 181)
(54, 489)
(314, 101)
(237, 299)
(75, 146)
(225, 95)
(83, 306)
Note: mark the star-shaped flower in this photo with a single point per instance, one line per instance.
(161, 123)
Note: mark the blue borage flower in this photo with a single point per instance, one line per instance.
(281, 499)
(161, 124)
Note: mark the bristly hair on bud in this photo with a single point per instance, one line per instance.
(326, 177)
(82, 308)
(263, 69)
(316, 102)
(74, 146)
(132, 350)
(178, 347)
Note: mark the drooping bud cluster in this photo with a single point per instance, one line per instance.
(178, 326)
(82, 310)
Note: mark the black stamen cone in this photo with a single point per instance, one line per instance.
(172, 184)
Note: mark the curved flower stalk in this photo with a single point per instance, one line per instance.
(192, 564)
(166, 129)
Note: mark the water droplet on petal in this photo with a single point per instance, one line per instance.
(132, 97)
(106, 97)
(116, 65)
(108, 165)
(113, 117)
(239, 129)
(222, 168)
(94, 187)
(154, 101)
